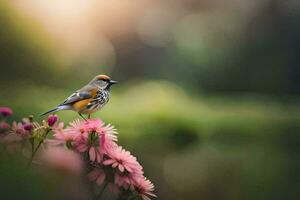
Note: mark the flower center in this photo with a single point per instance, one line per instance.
(93, 139)
(69, 144)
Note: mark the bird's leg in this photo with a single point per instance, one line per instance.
(89, 116)
(82, 116)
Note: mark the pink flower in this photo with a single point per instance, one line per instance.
(92, 125)
(18, 129)
(16, 134)
(97, 175)
(28, 127)
(90, 136)
(59, 129)
(4, 126)
(76, 127)
(52, 119)
(123, 160)
(91, 143)
(96, 125)
(69, 134)
(63, 159)
(98, 141)
(6, 111)
(61, 134)
(144, 188)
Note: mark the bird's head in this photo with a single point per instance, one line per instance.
(103, 81)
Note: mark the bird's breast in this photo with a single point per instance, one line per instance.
(94, 104)
(81, 105)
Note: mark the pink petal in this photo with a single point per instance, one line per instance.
(150, 194)
(108, 162)
(82, 147)
(114, 165)
(121, 168)
(99, 157)
(128, 169)
(92, 154)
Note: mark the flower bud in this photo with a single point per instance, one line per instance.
(52, 119)
(28, 127)
(30, 118)
(6, 111)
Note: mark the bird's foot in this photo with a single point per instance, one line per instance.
(82, 116)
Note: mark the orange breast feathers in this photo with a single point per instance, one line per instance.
(94, 92)
(81, 105)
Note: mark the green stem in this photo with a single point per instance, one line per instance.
(33, 151)
(32, 145)
(102, 191)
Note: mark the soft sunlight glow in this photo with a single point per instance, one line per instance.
(83, 29)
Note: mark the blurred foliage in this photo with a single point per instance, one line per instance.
(18, 182)
(25, 49)
(239, 142)
(243, 47)
(218, 148)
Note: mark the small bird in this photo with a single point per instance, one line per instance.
(88, 99)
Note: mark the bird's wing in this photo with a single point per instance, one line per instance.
(86, 92)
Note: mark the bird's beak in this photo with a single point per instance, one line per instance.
(113, 82)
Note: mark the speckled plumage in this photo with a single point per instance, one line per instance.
(88, 99)
(91, 105)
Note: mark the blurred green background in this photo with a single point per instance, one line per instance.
(208, 98)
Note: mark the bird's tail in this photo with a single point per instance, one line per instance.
(58, 108)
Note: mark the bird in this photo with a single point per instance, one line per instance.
(89, 99)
